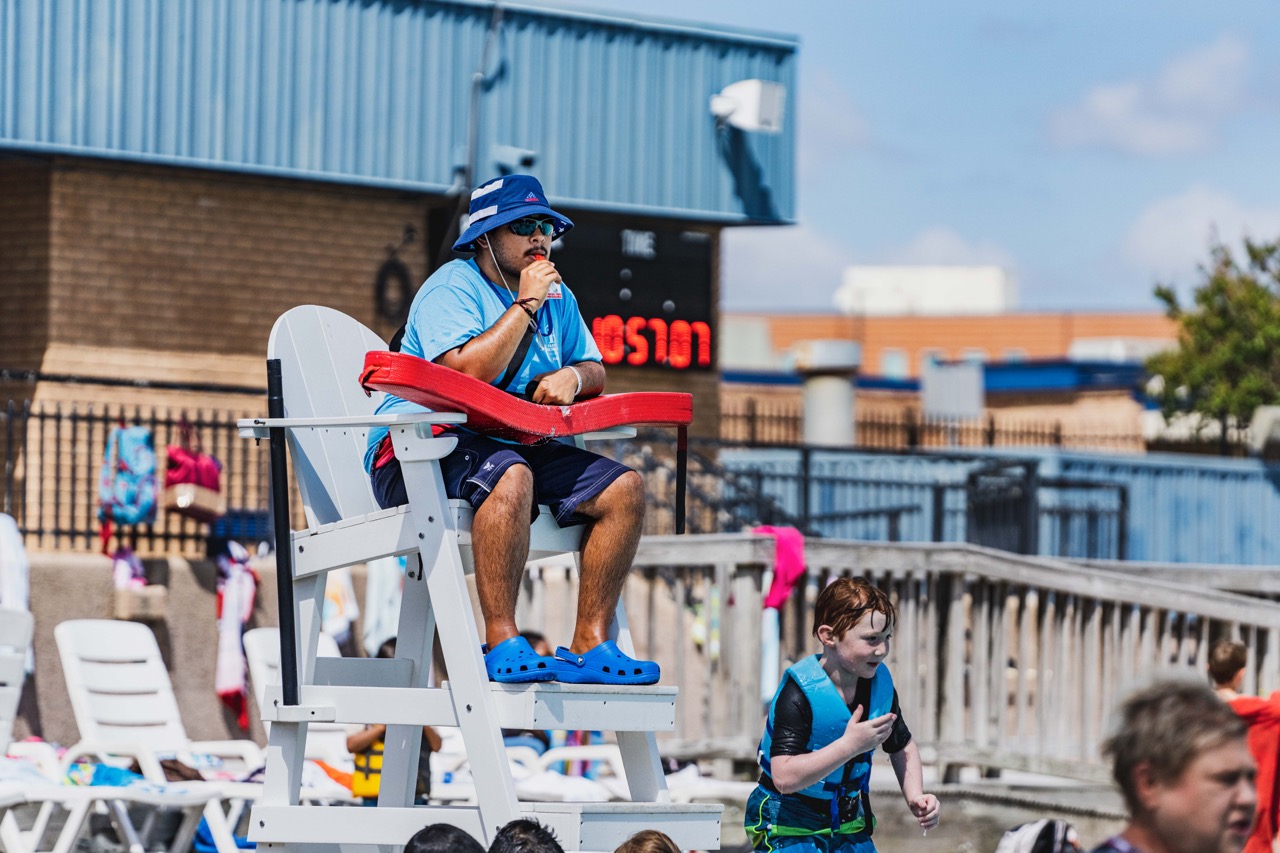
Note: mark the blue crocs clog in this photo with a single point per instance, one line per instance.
(605, 664)
(514, 661)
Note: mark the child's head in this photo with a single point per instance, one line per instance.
(442, 838)
(847, 601)
(1227, 660)
(648, 841)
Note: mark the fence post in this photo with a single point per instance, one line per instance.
(8, 458)
(751, 420)
(939, 511)
(806, 459)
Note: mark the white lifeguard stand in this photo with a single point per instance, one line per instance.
(315, 357)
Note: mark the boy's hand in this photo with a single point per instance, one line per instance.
(862, 736)
(926, 808)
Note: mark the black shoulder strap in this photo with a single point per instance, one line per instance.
(517, 358)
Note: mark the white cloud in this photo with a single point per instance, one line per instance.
(943, 246)
(1177, 111)
(830, 125)
(790, 268)
(1172, 235)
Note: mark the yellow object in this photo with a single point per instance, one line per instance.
(367, 779)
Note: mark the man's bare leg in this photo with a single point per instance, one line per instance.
(500, 541)
(608, 547)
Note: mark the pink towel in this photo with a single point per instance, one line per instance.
(788, 562)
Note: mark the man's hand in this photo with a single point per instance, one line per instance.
(555, 388)
(926, 809)
(861, 736)
(535, 280)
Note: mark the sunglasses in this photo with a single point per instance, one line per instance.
(528, 225)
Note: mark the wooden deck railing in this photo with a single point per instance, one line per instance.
(1001, 661)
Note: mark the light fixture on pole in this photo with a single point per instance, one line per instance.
(753, 105)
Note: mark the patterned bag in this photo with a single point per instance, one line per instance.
(127, 482)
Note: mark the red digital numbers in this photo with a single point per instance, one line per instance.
(640, 341)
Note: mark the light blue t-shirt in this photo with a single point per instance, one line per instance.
(457, 303)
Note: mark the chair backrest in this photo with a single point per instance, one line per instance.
(118, 685)
(321, 354)
(15, 636)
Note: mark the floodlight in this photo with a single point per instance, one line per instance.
(755, 105)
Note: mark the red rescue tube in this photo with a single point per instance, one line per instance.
(492, 411)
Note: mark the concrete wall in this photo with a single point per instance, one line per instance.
(77, 586)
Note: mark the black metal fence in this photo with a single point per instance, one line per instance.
(781, 422)
(52, 455)
(52, 458)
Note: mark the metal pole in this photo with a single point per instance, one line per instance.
(682, 472)
(284, 538)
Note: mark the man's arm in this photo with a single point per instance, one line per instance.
(557, 387)
(487, 355)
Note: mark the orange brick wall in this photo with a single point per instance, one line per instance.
(24, 263)
(1039, 335)
(203, 262)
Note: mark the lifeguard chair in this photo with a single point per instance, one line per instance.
(316, 361)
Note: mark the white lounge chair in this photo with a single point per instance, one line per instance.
(326, 416)
(44, 790)
(125, 707)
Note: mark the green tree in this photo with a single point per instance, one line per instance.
(1228, 358)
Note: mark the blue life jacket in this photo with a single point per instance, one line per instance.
(830, 718)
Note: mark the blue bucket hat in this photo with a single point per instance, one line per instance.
(505, 200)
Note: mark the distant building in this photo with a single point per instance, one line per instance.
(896, 347)
(882, 291)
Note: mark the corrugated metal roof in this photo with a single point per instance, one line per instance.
(377, 92)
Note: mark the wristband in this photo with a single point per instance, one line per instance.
(578, 390)
(524, 306)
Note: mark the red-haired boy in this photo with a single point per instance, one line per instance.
(830, 713)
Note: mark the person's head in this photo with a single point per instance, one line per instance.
(1227, 660)
(538, 641)
(854, 621)
(442, 838)
(387, 649)
(648, 841)
(509, 222)
(1182, 764)
(525, 836)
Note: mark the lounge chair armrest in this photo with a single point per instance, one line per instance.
(245, 750)
(39, 753)
(259, 427)
(145, 755)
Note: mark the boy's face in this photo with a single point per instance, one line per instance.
(862, 648)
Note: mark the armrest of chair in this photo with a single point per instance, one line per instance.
(244, 750)
(39, 753)
(148, 762)
(260, 427)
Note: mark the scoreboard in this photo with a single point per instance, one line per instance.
(644, 291)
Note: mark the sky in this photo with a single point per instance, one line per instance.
(1093, 149)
